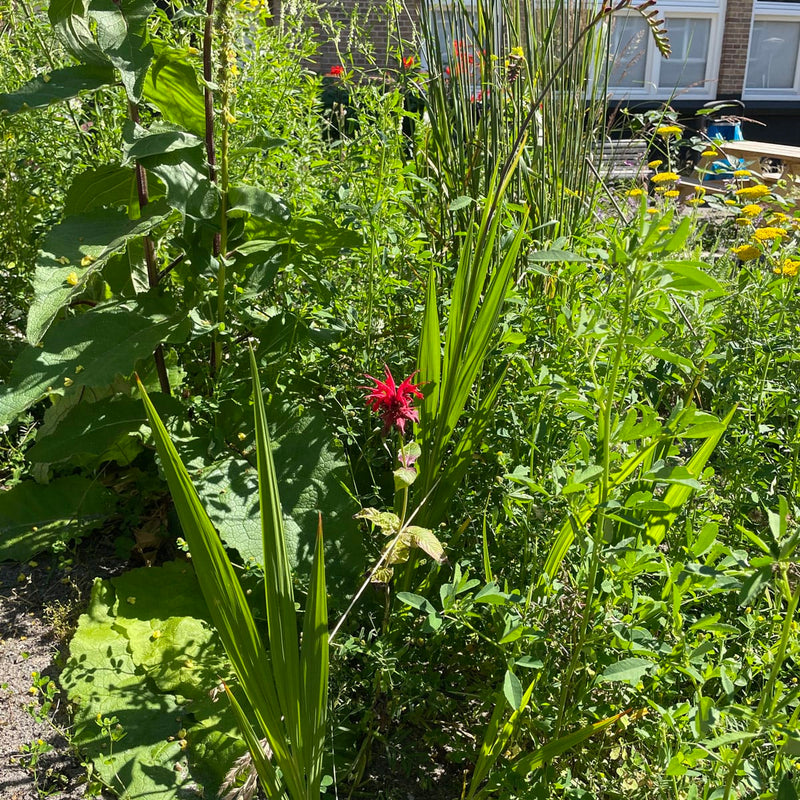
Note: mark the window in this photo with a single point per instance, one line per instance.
(638, 70)
(772, 59)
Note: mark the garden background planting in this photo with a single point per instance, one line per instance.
(366, 435)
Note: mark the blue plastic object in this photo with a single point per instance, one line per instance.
(726, 131)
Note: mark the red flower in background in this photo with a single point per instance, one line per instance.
(337, 70)
(408, 62)
(393, 402)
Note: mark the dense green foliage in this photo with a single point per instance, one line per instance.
(570, 573)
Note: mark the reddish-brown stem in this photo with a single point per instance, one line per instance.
(150, 258)
(211, 153)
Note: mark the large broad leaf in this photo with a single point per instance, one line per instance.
(121, 29)
(144, 656)
(106, 185)
(310, 475)
(58, 85)
(258, 203)
(88, 350)
(33, 516)
(178, 159)
(100, 430)
(171, 86)
(71, 23)
(74, 250)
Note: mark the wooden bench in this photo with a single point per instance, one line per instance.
(621, 159)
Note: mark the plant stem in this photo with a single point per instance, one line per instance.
(606, 407)
(769, 689)
(149, 257)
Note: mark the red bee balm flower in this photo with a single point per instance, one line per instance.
(337, 70)
(395, 403)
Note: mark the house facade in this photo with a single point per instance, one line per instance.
(743, 50)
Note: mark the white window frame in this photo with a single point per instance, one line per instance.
(712, 10)
(772, 12)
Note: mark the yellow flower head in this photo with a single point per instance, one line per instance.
(516, 52)
(710, 153)
(768, 234)
(742, 173)
(730, 202)
(753, 192)
(744, 221)
(696, 201)
(779, 217)
(655, 164)
(664, 177)
(746, 252)
(86, 260)
(751, 210)
(72, 279)
(634, 192)
(652, 211)
(672, 193)
(669, 130)
(789, 268)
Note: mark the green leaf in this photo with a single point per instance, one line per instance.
(171, 86)
(314, 668)
(678, 494)
(258, 203)
(81, 245)
(415, 601)
(311, 475)
(425, 540)
(228, 606)
(628, 670)
(95, 429)
(60, 84)
(106, 185)
(71, 23)
(404, 477)
(101, 678)
(563, 256)
(178, 159)
(675, 475)
(145, 654)
(87, 350)
(460, 202)
(525, 765)
(121, 35)
(691, 276)
(512, 689)
(34, 517)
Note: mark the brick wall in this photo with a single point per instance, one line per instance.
(735, 41)
(365, 34)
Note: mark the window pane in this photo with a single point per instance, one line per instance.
(687, 64)
(628, 52)
(773, 55)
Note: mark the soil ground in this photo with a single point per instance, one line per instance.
(39, 606)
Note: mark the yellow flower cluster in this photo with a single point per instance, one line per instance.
(669, 130)
(742, 173)
(768, 234)
(751, 210)
(655, 164)
(789, 268)
(710, 153)
(672, 193)
(746, 252)
(753, 192)
(664, 177)
(634, 192)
